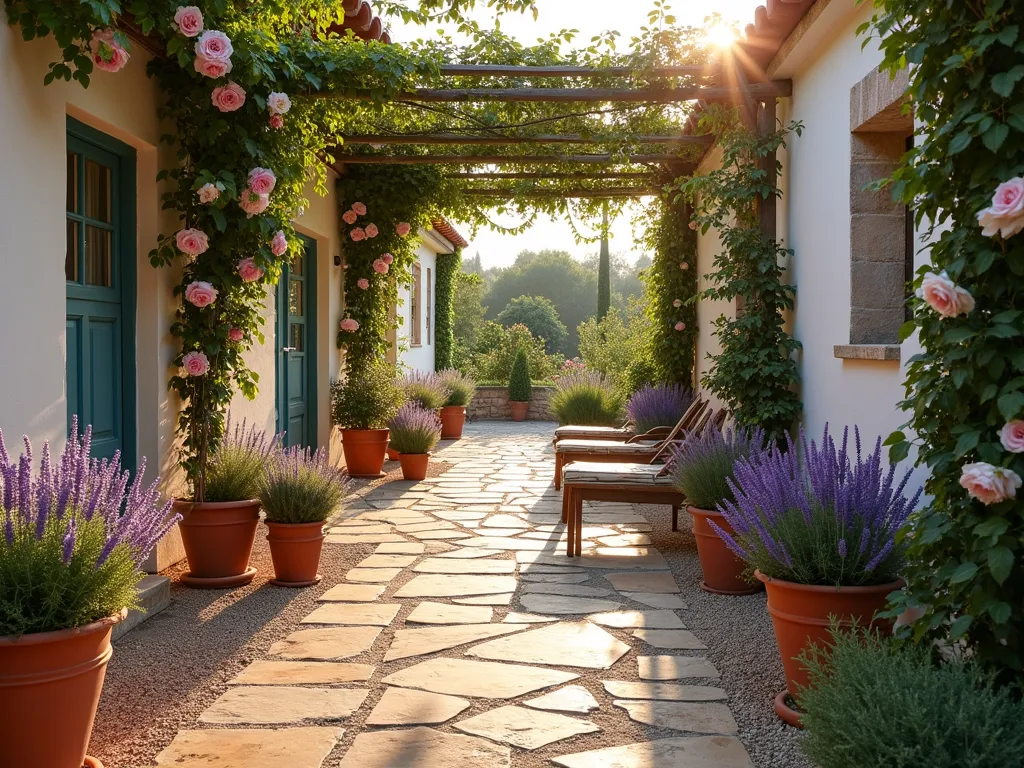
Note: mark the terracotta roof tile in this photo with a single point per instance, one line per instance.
(449, 233)
(773, 23)
(363, 21)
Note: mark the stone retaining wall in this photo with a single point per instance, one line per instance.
(492, 403)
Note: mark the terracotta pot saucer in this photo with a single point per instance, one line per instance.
(218, 582)
(295, 584)
(753, 590)
(786, 713)
(91, 762)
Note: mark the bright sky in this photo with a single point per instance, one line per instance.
(590, 17)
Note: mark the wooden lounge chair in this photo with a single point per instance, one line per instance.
(632, 451)
(622, 434)
(595, 481)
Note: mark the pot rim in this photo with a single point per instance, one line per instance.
(691, 509)
(37, 638)
(428, 453)
(891, 586)
(358, 429)
(271, 523)
(217, 504)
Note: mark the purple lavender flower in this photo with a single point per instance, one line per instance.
(414, 429)
(658, 406)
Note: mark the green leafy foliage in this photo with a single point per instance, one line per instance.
(520, 388)
(611, 345)
(427, 390)
(368, 398)
(540, 316)
(415, 430)
(238, 466)
(496, 350)
(449, 266)
(604, 271)
(461, 388)
(586, 398)
(301, 487)
(873, 703)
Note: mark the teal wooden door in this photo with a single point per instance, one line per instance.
(296, 354)
(99, 268)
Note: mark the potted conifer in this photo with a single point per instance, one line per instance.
(363, 404)
(414, 432)
(461, 390)
(520, 389)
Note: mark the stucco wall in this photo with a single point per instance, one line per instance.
(421, 356)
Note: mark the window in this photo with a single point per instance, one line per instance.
(430, 302)
(415, 308)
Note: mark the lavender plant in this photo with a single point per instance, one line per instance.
(75, 536)
(300, 486)
(428, 390)
(585, 397)
(658, 406)
(821, 520)
(414, 429)
(461, 388)
(702, 467)
(237, 466)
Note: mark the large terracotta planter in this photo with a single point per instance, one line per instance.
(218, 539)
(50, 684)
(453, 419)
(802, 614)
(393, 454)
(723, 571)
(364, 451)
(414, 465)
(295, 549)
(519, 409)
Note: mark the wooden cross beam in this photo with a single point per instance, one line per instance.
(607, 192)
(554, 175)
(514, 70)
(485, 139)
(500, 159)
(561, 95)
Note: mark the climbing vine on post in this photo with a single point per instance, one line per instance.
(448, 267)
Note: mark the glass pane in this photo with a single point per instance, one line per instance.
(97, 257)
(97, 191)
(295, 298)
(71, 256)
(296, 337)
(297, 265)
(72, 194)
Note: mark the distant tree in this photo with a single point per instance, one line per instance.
(604, 270)
(540, 316)
(473, 265)
(496, 349)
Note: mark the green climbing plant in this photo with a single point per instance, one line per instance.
(448, 267)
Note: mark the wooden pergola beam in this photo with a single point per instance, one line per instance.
(499, 159)
(607, 192)
(553, 175)
(513, 70)
(484, 139)
(588, 95)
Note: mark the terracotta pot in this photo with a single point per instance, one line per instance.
(218, 539)
(393, 454)
(295, 549)
(519, 409)
(801, 614)
(364, 451)
(453, 419)
(50, 684)
(722, 569)
(414, 465)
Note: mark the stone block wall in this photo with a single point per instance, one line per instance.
(491, 403)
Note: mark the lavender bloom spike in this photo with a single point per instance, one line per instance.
(658, 406)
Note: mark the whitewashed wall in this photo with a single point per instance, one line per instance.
(420, 357)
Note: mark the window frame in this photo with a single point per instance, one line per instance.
(416, 308)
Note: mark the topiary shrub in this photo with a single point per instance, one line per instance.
(520, 389)
(586, 398)
(875, 704)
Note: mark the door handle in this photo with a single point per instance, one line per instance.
(288, 349)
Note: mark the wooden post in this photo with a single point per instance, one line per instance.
(766, 207)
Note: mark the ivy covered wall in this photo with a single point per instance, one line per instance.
(448, 267)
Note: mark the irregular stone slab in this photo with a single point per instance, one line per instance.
(402, 548)
(572, 590)
(572, 698)
(652, 561)
(460, 516)
(420, 642)
(560, 604)
(681, 715)
(268, 672)
(280, 705)
(433, 525)
(643, 582)
(372, 575)
(674, 667)
(422, 748)
(541, 518)
(505, 521)
(625, 540)
(525, 728)
(360, 527)
(402, 706)
(445, 585)
(353, 593)
(326, 644)
(442, 613)
(496, 532)
(504, 599)
(669, 602)
(479, 679)
(440, 535)
(472, 565)
(565, 644)
(243, 748)
(554, 578)
(527, 618)
(362, 538)
(552, 536)
(386, 561)
(364, 614)
(636, 527)
(624, 689)
(679, 639)
(468, 554)
(507, 544)
(529, 567)
(700, 752)
(629, 619)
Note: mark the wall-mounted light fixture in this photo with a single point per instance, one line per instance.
(337, 260)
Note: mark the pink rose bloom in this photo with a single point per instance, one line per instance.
(262, 181)
(195, 363)
(279, 244)
(380, 266)
(212, 67)
(359, 208)
(278, 103)
(349, 325)
(200, 293)
(188, 20)
(349, 217)
(249, 271)
(106, 53)
(403, 228)
(387, 258)
(677, 303)
(363, 283)
(1006, 214)
(235, 334)
(276, 122)
(214, 46)
(371, 230)
(252, 203)
(208, 193)
(680, 326)
(683, 265)
(228, 98)
(944, 296)
(192, 241)
(988, 483)
(357, 234)
(1012, 436)
(693, 225)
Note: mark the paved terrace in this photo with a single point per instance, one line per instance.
(457, 633)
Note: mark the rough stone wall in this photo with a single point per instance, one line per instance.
(491, 403)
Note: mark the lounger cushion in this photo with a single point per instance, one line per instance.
(571, 431)
(599, 472)
(604, 446)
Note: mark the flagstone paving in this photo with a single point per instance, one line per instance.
(464, 637)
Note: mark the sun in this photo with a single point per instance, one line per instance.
(718, 34)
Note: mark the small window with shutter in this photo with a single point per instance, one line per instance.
(415, 308)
